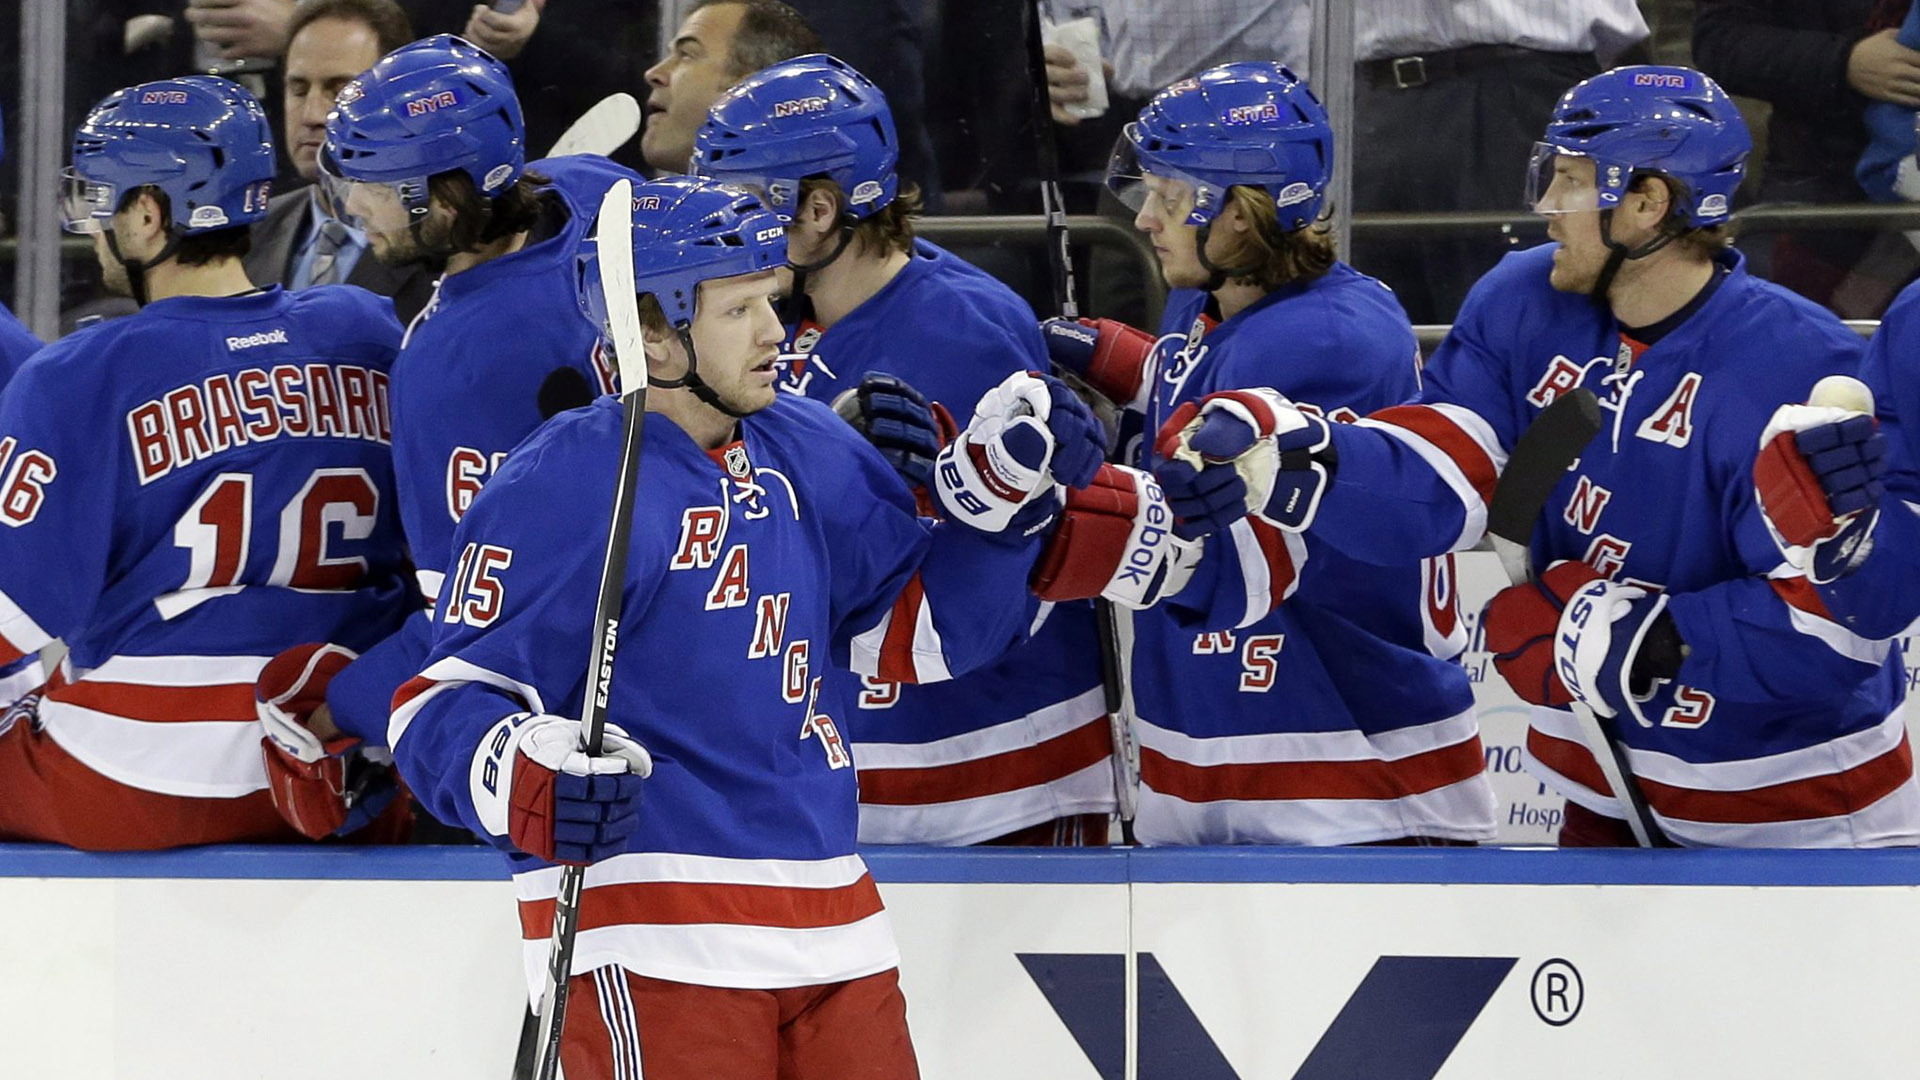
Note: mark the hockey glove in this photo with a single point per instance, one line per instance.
(907, 429)
(1572, 633)
(534, 786)
(1818, 476)
(322, 787)
(1115, 541)
(1027, 435)
(1109, 356)
(1281, 456)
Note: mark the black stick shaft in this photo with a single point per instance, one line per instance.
(1060, 261)
(606, 643)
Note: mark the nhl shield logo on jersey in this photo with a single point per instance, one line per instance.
(735, 459)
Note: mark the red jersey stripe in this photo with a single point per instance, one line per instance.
(692, 903)
(1444, 434)
(137, 701)
(896, 650)
(1044, 762)
(1282, 780)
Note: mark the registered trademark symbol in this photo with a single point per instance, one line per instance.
(1557, 992)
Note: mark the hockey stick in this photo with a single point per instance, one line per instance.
(613, 238)
(602, 129)
(1544, 453)
(1060, 260)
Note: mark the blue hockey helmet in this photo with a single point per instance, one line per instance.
(1254, 123)
(203, 140)
(809, 116)
(1633, 121)
(440, 104)
(686, 230)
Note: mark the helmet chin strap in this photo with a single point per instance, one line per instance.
(1217, 276)
(137, 268)
(1618, 254)
(692, 380)
(798, 304)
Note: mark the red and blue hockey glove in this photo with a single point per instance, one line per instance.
(1818, 476)
(534, 786)
(1109, 356)
(1115, 540)
(1571, 633)
(907, 429)
(1027, 435)
(322, 786)
(1282, 457)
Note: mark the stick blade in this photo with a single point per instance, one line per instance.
(602, 129)
(1549, 446)
(613, 240)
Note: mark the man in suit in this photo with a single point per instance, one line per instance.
(300, 243)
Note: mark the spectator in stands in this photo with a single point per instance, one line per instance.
(719, 43)
(564, 64)
(300, 242)
(881, 38)
(1448, 100)
(1818, 63)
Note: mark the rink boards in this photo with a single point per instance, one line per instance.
(1190, 964)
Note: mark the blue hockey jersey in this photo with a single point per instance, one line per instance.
(1782, 729)
(16, 344)
(1292, 694)
(1882, 598)
(186, 492)
(752, 570)
(466, 390)
(1025, 740)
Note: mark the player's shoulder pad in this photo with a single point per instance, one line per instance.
(582, 180)
(970, 306)
(350, 311)
(576, 449)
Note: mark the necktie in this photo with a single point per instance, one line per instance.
(326, 253)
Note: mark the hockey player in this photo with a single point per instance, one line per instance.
(425, 150)
(727, 926)
(1019, 751)
(1291, 695)
(187, 491)
(1750, 716)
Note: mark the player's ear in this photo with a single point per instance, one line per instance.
(1652, 195)
(1231, 219)
(819, 210)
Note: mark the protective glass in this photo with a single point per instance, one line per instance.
(372, 205)
(778, 194)
(86, 206)
(1133, 182)
(1560, 183)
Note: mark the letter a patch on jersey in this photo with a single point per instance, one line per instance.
(1672, 422)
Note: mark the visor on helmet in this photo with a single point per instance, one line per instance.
(86, 206)
(1559, 182)
(1128, 178)
(354, 202)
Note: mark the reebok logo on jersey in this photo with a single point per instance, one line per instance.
(445, 99)
(276, 336)
(164, 97)
(799, 106)
(1252, 114)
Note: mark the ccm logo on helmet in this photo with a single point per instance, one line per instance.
(798, 106)
(1659, 78)
(164, 97)
(445, 99)
(1253, 114)
(765, 235)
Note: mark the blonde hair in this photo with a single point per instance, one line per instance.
(1264, 255)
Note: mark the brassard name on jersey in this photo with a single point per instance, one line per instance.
(200, 420)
